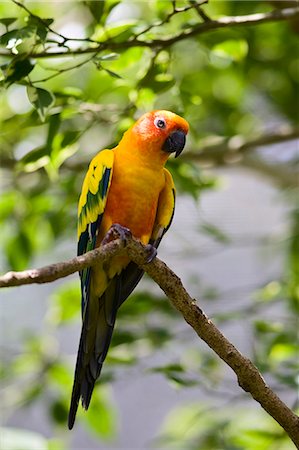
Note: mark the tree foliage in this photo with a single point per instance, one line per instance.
(73, 77)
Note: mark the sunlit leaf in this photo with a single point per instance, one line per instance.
(236, 50)
(41, 99)
(60, 375)
(282, 351)
(118, 31)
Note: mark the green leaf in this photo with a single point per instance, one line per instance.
(96, 8)
(235, 50)
(41, 99)
(215, 233)
(19, 251)
(63, 147)
(8, 20)
(69, 91)
(19, 68)
(101, 415)
(157, 79)
(21, 34)
(270, 292)
(54, 124)
(60, 375)
(56, 444)
(65, 303)
(283, 351)
(69, 137)
(118, 31)
(59, 411)
(176, 373)
(40, 26)
(7, 204)
(169, 368)
(34, 160)
(261, 326)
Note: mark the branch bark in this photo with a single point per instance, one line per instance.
(209, 25)
(249, 378)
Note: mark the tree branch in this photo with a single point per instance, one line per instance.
(249, 378)
(209, 25)
(59, 270)
(223, 152)
(233, 149)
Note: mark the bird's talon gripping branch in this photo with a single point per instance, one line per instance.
(151, 253)
(117, 231)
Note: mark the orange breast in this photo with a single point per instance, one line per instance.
(133, 199)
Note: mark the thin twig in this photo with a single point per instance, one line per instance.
(249, 378)
(166, 19)
(199, 11)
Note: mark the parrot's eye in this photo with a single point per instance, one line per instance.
(160, 123)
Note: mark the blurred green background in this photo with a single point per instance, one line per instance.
(234, 240)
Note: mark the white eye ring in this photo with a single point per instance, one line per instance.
(160, 123)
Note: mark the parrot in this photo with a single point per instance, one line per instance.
(126, 191)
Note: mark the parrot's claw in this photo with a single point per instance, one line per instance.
(117, 231)
(151, 253)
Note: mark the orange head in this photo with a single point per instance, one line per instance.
(158, 133)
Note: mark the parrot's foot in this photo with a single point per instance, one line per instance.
(151, 253)
(117, 231)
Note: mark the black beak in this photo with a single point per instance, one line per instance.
(175, 143)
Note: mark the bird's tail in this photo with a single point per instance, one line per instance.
(97, 328)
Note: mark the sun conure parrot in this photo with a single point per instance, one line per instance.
(125, 189)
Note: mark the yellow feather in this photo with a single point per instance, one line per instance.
(166, 206)
(89, 213)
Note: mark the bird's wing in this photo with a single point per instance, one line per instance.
(132, 274)
(90, 210)
(165, 210)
